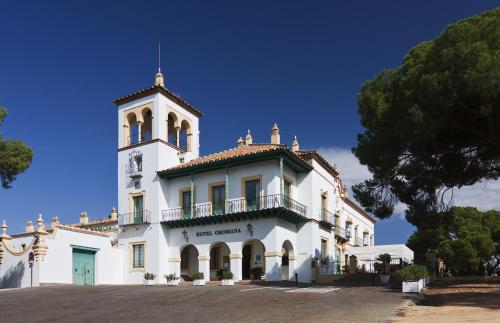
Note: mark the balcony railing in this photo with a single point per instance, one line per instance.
(327, 217)
(234, 206)
(342, 233)
(134, 138)
(139, 217)
(358, 242)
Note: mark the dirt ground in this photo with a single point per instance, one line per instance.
(454, 300)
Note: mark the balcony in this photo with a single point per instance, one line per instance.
(275, 205)
(140, 217)
(327, 219)
(341, 234)
(137, 138)
(358, 242)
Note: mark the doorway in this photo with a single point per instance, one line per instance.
(83, 267)
(246, 262)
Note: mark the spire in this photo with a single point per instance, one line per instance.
(159, 76)
(295, 145)
(275, 135)
(240, 142)
(248, 138)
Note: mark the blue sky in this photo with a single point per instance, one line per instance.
(244, 64)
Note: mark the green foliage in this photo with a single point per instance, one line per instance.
(198, 275)
(384, 258)
(433, 123)
(171, 277)
(149, 276)
(257, 272)
(462, 236)
(15, 157)
(227, 275)
(413, 273)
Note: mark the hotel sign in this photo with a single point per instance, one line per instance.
(217, 232)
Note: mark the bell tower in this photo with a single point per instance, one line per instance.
(157, 129)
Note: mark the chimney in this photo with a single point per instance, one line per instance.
(248, 138)
(55, 221)
(240, 142)
(295, 145)
(29, 226)
(40, 224)
(84, 218)
(4, 235)
(275, 135)
(114, 214)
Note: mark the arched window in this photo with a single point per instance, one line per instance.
(172, 125)
(131, 129)
(185, 136)
(147, 126)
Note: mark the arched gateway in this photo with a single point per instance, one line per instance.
(253, 263)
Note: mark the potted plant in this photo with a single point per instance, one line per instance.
(198, 279)
(227, 278)
(257, 273)
(383, 267)
(148, 279)
(414, 278)
(172, 279)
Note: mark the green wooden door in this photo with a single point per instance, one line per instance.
(83, 267)
(138, 209)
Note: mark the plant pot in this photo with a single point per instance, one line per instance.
(173, 282)
(228, 282)
(148, 283)
(413, 287)
(199, 282)
(384, 279)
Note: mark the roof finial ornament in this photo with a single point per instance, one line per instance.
(248, 138)
(295, 144)
(159, 76)
(275, 135)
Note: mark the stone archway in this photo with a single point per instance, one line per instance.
(253, 256)
(189, 261)
(219, 259)
(287, 261)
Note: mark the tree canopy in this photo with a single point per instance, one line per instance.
(433, 123)
(463, 237)
(15, 156)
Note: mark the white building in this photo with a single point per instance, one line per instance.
(254, 207)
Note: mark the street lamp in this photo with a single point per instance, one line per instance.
(250, 229)
(185, 234)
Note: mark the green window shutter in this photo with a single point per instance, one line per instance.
(138, 260)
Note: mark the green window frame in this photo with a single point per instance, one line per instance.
(252, 194)
(138, 256)
(218, 199)
(186, 204)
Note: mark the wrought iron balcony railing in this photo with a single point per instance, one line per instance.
(235, 206)
(139, 217)
(139, 137)
(327, 217)
(341, 233)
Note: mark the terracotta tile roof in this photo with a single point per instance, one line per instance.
(313, 154)
(158, 89)
(242, 151)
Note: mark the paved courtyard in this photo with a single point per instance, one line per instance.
(247, 303)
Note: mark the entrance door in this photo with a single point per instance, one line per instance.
(83, 267)
(138, 209)
(246, 262)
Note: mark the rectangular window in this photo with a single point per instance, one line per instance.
(138, 162)
(218, 199)
(138, 208)
(252, 194)
(287, 189)
(138, 261)
(186, 204)
(214, 258)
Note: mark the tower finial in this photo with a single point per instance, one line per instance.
(159, 76)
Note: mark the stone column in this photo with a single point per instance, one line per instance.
(174, 266)
(236, 266)
(204, 266)
(139, 130)
(177, 136)
(291, 268)
(273, 265)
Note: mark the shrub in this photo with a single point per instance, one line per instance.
(149, 276)
(197, 276)
(257, 272)
(385, 258)
(171, 277)
(227, 275)
(413, 273)
(220, 273)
